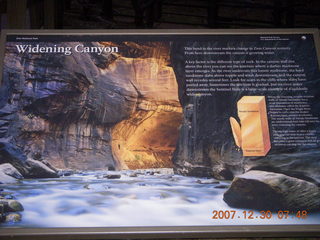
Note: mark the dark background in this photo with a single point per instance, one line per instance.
(159, 14)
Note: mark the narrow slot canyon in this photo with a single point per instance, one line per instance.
(148, 138)
(114, 111)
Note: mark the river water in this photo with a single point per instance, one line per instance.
(162, 199)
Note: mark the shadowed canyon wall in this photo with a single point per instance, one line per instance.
(206, 146)
(79, 111)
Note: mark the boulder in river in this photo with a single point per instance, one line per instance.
(272, 191)
(207, 181)
(221, 186)
(134, 174)
(37, 169)
(5, 179)
(11, 205)
(9, 170)
(112, 176)
(9, 174)
(66, 172)
(6, 195)
(13, 217)
(9, 208)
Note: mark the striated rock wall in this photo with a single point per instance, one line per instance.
(66, 110)
(204, 147)
(148, 138)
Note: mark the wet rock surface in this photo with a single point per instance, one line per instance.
(272, 191)
(66, 172)
(13, 217)
(9, 208)
(111, 176)
(207, 181)
(133, 174)
(12, 205)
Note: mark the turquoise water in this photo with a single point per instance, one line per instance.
(87, 200)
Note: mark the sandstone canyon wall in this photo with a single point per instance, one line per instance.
(79, 111)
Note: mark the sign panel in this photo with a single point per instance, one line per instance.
(195, 129)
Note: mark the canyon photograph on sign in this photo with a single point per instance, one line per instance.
(140, 130)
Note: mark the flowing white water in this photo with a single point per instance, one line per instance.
(83, 200)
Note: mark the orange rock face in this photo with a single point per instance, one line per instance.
(148, 137)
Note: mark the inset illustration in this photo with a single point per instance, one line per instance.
(252, 134)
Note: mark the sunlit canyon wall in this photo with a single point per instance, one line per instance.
(90, 111)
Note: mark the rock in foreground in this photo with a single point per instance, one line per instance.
(9, 210)
(9, 174)
(11, 205)
(39, 169)
(272, 191)
(13, 217)
(112, 176)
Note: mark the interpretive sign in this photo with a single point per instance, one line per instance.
(158, 129)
